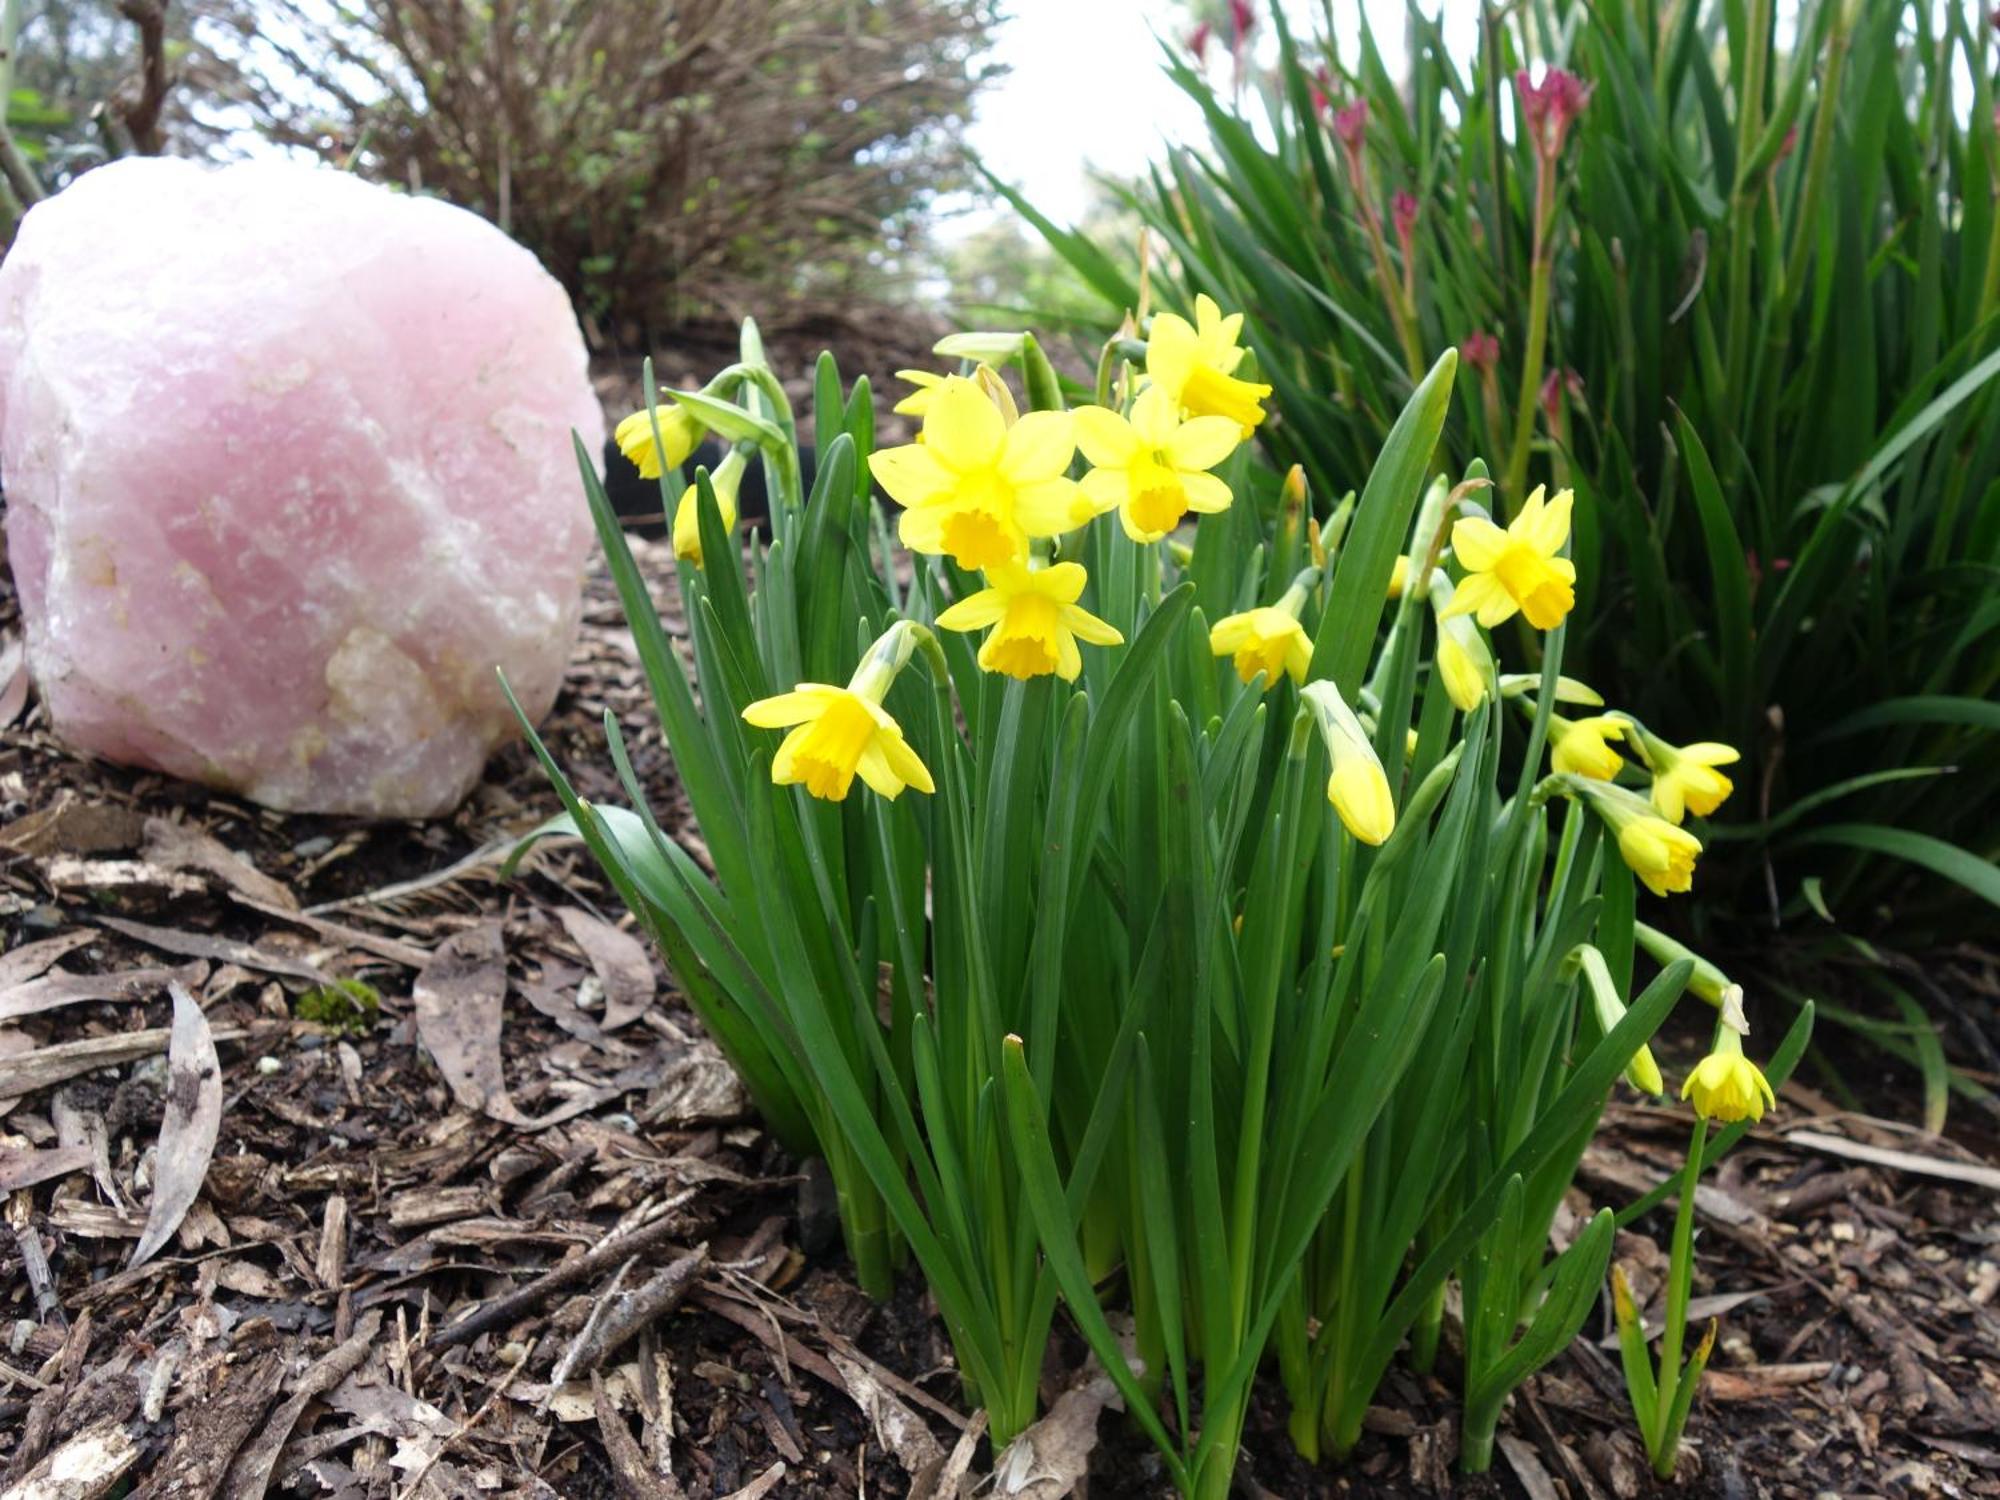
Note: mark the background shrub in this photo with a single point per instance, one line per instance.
(663, 161)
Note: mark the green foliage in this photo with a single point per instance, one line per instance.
(1765, 306)
(347, 1007)
(1004, 272)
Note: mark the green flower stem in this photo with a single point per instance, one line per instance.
(1680, 1278)
(1401, 310)
(1538, 336)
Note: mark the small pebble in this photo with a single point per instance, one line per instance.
(312, 848)
(267, 1065)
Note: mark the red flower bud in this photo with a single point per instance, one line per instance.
(1350, 123)
(1404, 209)
(1550, 107)
(1557, 384)
(1481, 350)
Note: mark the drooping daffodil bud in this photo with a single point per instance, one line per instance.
(1640, 1071)
(680, 433)
(1358, 787)
(1464, 661)
(726, 482)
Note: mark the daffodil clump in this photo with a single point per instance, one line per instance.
(1139, 881)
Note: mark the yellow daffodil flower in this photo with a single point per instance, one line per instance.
(1152, 466)
(919, 400)
(1516, 569)
(975, 487)
(1726, 1085)
(726, 481)
(1399, 576)
(1358, 787)
(680, 430)
(1266, 640)
(1195, 364)
(1684, 776)
(1464, 661)
(1660, 854)
(1270, 639)
(1035, 618)
(839, 733)
(1579, 746)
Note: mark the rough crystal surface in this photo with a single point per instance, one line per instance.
(288, 473)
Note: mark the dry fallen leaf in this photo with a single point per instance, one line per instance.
(18, 965)
(897, 1428)
(1049, 1460)
(621, 964)
(60, 987)
(221, 950)
(179, 847)
(459, 997)
(188, 1130)
(120, 882)
(86, 1466)
(23, 1070)
(22, 1166)
(13, 678)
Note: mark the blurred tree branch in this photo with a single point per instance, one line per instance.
(706, 155)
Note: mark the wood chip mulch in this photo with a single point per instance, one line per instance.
(515, 1232)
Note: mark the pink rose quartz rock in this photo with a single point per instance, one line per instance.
(288, 473)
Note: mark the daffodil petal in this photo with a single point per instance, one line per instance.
(904, 762)
(1203, 442)
(910, 474)
(1104, 489)
(1547, 528)
(1049, 507)
(1062, 582)
(1155, 416)
(875, 769)
(1105, 438)
(1476, 594)
(1038, 447)
(801, 704)
(1477, 543)
(922, 530)
(963, 430)
(1206, 493)
(974, 612)
(1230, 632)
(1085, 626)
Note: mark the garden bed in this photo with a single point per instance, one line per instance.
(300, 1329)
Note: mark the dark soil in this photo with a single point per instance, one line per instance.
(295, 1332)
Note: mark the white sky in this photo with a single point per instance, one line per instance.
(1086, 88)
